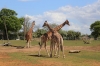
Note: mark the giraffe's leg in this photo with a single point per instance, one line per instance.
(55, 50)
(40, 48)
(46, 49)
(58, 50)
(51, 49)
(63, 51)
(26, 46)
(28, 43)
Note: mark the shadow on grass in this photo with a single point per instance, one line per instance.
(17, 47)
(44, 56)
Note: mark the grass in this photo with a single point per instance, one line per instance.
(19, 42)
(87, 55)
(80, 43)
(24, 57)
(84, 58)
(66, 42)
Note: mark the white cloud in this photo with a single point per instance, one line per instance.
(74, 27)
(55, 16)
(79, 17)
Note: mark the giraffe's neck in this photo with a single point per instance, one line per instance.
(30, 30)
(49, 28)
(59, 26)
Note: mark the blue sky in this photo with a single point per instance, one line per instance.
(35, 7)
(80, 13)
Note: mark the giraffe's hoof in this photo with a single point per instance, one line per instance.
(55, 54)
(50, 56)
(64, 56)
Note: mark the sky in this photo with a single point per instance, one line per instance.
(80, 13)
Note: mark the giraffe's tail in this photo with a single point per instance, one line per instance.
(39, 44)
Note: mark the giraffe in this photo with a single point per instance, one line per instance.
(56, 40)
(47, 36)
(28, 35)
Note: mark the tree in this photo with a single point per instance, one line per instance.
(73, 35)
(70, 34)
(77, 35)
(39, 32)
(95, 29)
(26, 25)
(9, 20)
(63, 33)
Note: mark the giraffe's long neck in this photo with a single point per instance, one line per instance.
(32, 26)
(59, 26)
(30, 30)
(49, 27)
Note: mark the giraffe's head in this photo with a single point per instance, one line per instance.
(33, 23)
(67, 22)
(45, 24)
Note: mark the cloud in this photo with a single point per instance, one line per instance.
(80, 18)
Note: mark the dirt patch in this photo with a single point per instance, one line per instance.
(49, 63)
(3, 55)
(94, 63)
(87, 48)
(36, 48)
(5, 59)
(15, 63)
(15, 49)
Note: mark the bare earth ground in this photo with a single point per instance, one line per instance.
(6, 61)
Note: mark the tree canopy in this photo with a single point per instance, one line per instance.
(95, 29)
(9, 17)
(9, 22)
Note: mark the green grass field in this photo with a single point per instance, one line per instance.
(90, 57)
(66, 42)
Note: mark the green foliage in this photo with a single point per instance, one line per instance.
(63, 33)
(9, 18)
(95, 29)
(21, 20)
(73, 35)
(10, 21)
(7, 12)
(39, 32)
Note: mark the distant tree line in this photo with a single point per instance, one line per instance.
(67, 35)
(13, 27)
